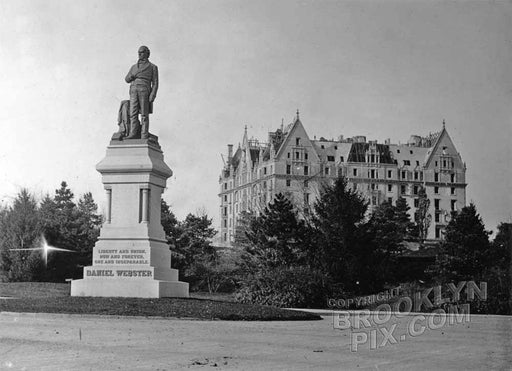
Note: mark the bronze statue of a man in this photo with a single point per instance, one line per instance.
(143, 80)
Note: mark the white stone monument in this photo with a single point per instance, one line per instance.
(132, 257)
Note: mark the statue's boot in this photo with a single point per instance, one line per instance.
(134, 131)
(144, 133)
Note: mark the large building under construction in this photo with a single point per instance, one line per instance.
(293, 164)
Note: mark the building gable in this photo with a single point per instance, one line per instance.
(444, 147)
(297, 131)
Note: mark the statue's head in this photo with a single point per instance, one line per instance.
(143, 52)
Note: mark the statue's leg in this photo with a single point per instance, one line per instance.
(144, 113)
(134, 113)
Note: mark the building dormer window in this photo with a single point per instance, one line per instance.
(297, 141)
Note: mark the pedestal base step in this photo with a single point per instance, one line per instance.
(129, 288)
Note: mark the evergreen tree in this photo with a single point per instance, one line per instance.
(388, 227)
(343, 249)
(89, 224)
(243, 229)
(20, 229)
(465, 248)
(72, 227)
(499, 271)
(421, 216)
(193, 246)
(170, 223)
(277, 237)
(406, 226)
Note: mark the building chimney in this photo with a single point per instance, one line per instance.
(230, 153)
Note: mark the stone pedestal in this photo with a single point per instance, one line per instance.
(131, 257)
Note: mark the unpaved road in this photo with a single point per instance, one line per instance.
(65, 342)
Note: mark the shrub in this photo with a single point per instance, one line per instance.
(298, 287)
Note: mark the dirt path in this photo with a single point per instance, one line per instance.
(61, 342)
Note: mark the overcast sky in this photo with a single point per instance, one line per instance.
(384, 69)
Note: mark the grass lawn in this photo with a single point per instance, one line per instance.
(45, 297)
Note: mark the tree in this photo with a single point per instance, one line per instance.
(193, 248)
(465, 248)
(499, 271)
(72, 227)
(170, 223)
(422, 216)
(89, 224)
(389, 226)
(20, 229)
(342, 247)
(243, 229)
(402, 218)
(221, 271)
(277, 237)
